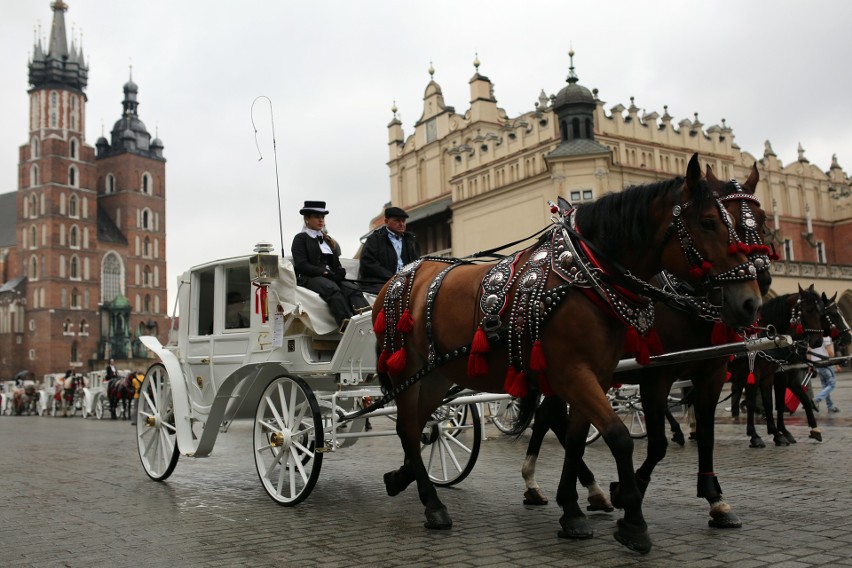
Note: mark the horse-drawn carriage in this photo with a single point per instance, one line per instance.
(292, 370)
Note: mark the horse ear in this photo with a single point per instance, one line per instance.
(750, 184)
(710, 176)
(800, 289)
(833, 298)
(693, 175)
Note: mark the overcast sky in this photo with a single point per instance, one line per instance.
(774, 69)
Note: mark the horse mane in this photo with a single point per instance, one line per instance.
(775, 312)
(618, 218)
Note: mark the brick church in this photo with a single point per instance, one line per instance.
(83, 239)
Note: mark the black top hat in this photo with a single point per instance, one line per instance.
(395, 212)
(313, 207)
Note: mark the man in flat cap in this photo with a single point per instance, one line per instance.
(386, 250)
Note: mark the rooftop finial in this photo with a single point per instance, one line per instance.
(431, 70)
(572, 76)
(476, 61)
(394, 109)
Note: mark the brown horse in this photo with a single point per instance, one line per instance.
(573, 299)
(679, 329)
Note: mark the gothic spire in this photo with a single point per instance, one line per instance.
(58, 67)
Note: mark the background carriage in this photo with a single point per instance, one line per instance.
(292, 371)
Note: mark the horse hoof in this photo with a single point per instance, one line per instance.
(438, 519)
(816, 435)
(635, 540)
(391, 486)
(576, 528)
(678, 439)
(756, 442)
(599, 502)
(725, 521)
(780, 440)
(534, 497)
(790, 438)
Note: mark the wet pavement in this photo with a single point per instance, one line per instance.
(74, 494)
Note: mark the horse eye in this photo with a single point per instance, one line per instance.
(708, 223)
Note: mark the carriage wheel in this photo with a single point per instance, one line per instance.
(450, 443)
(288, 432)
(504, 414)
(633, 416)
(156, 435)
(99, 406)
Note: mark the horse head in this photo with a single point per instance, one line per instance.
(835, 324)
(749, 219)
(808, 316)
(707, 251)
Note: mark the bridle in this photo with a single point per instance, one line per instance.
(752, 245)
(700, 267)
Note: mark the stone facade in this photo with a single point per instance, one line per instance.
(483, 178)
(84, 272)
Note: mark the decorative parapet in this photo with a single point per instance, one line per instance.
(812, 270)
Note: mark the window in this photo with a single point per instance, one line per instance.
(84, 327)
(147, 306)
(206, 286)
(74, 352)
(111, 279)
(54, 110)
(73, 123)
(32, 354)
(75, 298)
(74, 269)
(33, 237)
(33, 268)
(820, 250)
(237, 306)
(33, 206)
(110, 183)
(34, 176)
(32, 325)
(66, 327)
(788, 250)
(146, 248)
(72, 176)
(34, 149)
(146, 277)
(73, 240)
(146, 219)
(587, 194)
(72, 149)
(73, 211)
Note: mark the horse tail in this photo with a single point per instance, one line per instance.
(527, 406)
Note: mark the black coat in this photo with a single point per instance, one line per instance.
(378, 257)
(309, 262)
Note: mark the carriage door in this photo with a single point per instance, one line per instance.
(233, 321)
(200, 337)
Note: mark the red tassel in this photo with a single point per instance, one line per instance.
(476, 365)
(720, 334)
(696, 273)
(511, 373)
(480, 342)
(751, 380)
(743, 248)
(406, 322)
(834, 333)
(728, 377)
(706, 266)
(800, 330)
(774, 256)
(382, 365)
(732, 249)
(381, 324)
(537, 361)
(544, 385)
(733, 336)
(396, 362)
(631, 340)
(518, 388)
(554, 209)
(655, 344)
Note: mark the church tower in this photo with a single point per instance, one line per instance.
(56, 206)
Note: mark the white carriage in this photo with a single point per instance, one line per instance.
(290, 369)
(95, 401)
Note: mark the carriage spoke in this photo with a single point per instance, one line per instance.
(446, 449)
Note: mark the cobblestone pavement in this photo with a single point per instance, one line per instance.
(74, 494)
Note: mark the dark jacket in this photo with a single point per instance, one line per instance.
(378, 257)
(308, 260)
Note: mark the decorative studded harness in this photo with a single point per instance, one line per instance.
(568, 255)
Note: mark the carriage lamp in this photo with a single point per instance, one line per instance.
(263, 265)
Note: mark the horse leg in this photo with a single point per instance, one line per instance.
(573, 521)
(783, 437)
(798, 390)
(674, 425)
(737, 385)
(548, 415)
(655, 406)
(751, 396)
(766, 388)
(707, 393)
